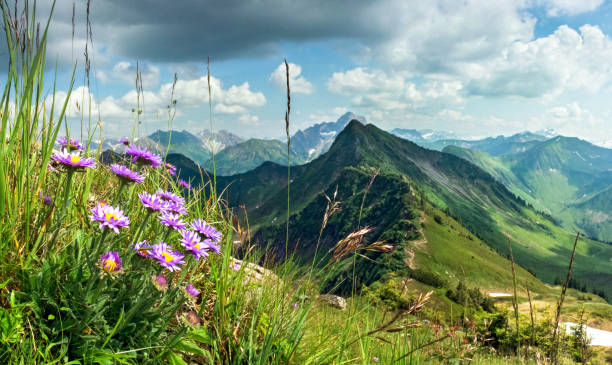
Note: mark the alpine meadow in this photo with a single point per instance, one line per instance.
(316, 182)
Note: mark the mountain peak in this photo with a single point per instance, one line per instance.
(348, 117)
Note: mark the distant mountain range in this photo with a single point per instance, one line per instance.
(408, 179)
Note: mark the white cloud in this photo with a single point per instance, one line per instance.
(571, 7)
(377, 89)
(298, 84)
(114, 111)
(125, 72)
(231, 109)
(564, 60)
(249, 119)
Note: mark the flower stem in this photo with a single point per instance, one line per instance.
(142, 225)
(66, 201)
(121, 187)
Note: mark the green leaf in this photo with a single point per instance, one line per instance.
(175, 359)
(200, 335)
(192, 348)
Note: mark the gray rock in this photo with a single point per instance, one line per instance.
(333, 300)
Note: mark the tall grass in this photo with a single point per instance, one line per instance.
(58, 303)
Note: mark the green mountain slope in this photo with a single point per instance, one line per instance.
(182, 142)
(250, 154)
(565, 177)
(408, 173)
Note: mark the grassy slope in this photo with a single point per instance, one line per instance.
(483, 206)
(250, 154)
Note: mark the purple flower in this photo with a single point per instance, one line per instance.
(125, 141)
(73, 160)
(234, 266)
(171, 168)
(184, 184)
(142, 248)
(172, 220)
(152, 202)
(145, 156)
(160, 282)
(192, 242)
(296, 306)
(73, 145)
(176, 208)
(375, 359)
(111, 262)
(206, 230)
(126, 174)
(167, 256)
(212, 246)
(109, 216)
(46, 199)
(192, 291)
(192, 318)
(169, 196)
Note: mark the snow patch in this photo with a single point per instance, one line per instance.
(499, 295)
(598, 337)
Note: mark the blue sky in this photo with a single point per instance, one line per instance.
(476, 68)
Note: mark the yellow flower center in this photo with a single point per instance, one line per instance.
(74, 158)
(109, 265)
(197, 245)
(109, 216)
(167, 257)
(143, 251)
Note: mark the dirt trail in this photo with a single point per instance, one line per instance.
(420, 244)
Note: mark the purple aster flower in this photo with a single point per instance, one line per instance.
(172, 220)
(125, 141)
(167, 256)
(296, 306)
(192, 242)
(45, 198)
(375, 359)
(111, 262)
(234, 266)
(169, 196)
(184, 184)
(192, 291)
(73, 160)
(171, 168)
(153, 202)
(126, 174)
(206, 230)
(142, 248)
(176, 208)
(144, 156)
(109, 216)
(212, 246)
(192, 318)
(160, 282)
(73, 145)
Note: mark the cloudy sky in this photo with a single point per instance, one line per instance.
(474, 67)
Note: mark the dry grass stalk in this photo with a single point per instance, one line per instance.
(531, 314)
(350, 243)
(416, 307)
(332, 207)
(375, 173)
(515, 302)
(288, 155)
(560, 303)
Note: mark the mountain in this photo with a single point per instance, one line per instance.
(250, 154)
(181, 142)
(412, 186)
(495, 146)
(219, 140)
(566, 177)
(316, 139)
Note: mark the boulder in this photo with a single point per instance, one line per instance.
(333, 300)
